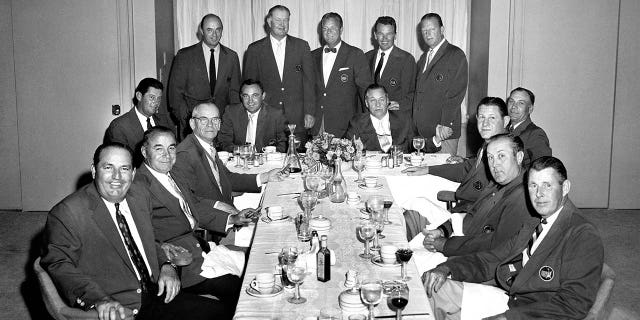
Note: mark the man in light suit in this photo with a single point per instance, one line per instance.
(177, 212)
(100, 250)
(129, 128)
(520, 104)
(195, 79)
(441, 84)
(342, 78)
(547, 271)
(392, 67)
(253, 121)
(284, 66)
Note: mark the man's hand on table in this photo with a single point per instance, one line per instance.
(455, 159)
(273, 175)
(109, 309)
(434, 279)
(243, 218)
(416, 171)
(434, 240)
(168, 282)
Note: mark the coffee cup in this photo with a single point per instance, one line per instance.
(370, 181)
(274, 212)
(263, 282)
(352, 196)
(223, 155)
(388, 254)
(269, 149)
(416, 160)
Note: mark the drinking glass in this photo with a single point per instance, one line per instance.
(358, 166)
(313, 181)
(375, 203)
(245, 152)
(398, 298)
(326, 173)
(296, 275)
(404, 255)
(377, 218)
(387, 205)
(287, 258)
(418, 144)
(236, 154)
(309, 200)
(371, 294)
(367, 232)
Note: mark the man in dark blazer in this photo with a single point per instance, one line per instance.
(441, 84)
(547, 271)
(392, 67)
(284, 66)
(194, 79)
(520, 104)
(253, 121)
(177, 212)
(115, 268)
(129, 128)
(341, 80)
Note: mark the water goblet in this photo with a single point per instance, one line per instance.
(236, 154)
(371, 294)
(387, 205)
(418, 144)
(287, 258)
(404, 255)
(296, 275)
(246, 151)
(309, 199)
(313, 181)
(359, 163)
(367, 231)
(398, 298)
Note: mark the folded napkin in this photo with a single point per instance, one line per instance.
(404, 188)
(480, 301)
(220, 261)
(435, 214)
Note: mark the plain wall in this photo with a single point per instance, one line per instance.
(479, 38)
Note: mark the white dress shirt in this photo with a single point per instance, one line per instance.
(434, 51)
(328, 59)
(251, 130)
(207, 57)
(143, 120)
(279, 48)
(163, 178)
(126, 212)
(386, 59)
(543, 234)
(383, 127)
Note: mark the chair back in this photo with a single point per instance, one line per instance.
(607, 280)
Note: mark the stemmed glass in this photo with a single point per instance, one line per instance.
(377, 218)
(313, 181)
(358, 165)
(387, 205)
(296, 275)
(236, 154)
(326, 172)
(367, 231)
(398, 298)
(371, 294)
(287, 258)
(418, 144)
(404, 255)
(246, 151)
(309, 199)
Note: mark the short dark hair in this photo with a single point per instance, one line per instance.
(532, 97)
(331, 15)
(515, 141)
(387, 21)
(432, 15)
(117, 145)
(375, 87)
(494, 101)
(278, 7)
(550, 162)
(144, 86)
(207, 16)
(250, 82)
(154, 131)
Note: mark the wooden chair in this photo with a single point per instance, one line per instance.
(447, 196)
(598, 311)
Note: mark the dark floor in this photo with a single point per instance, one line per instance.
(20, 296)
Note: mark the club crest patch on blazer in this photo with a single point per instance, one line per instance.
(298, 68)
(393, 82)
(546, 273)
(439, 77)
(344, 77)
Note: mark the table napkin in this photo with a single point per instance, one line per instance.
(220, 261)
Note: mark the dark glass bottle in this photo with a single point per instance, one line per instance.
(324, 261)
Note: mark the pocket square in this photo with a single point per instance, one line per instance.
(342, 69)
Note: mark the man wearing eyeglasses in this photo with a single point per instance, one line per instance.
(129, 128)
(253, 121)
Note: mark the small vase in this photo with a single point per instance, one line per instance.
(339, 185)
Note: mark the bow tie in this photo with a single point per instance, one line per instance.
(327, 50)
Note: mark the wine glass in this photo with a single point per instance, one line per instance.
(418, 144)
(387, 205)
(367, 232)
(236, 154)
(398, 298)
(358, 166)
(245, 152)
(404, 255)
(296, 275)
(371, 294)
(287, 258)
(378, 220)
(309, 199)
(326, 173)
(312, 181)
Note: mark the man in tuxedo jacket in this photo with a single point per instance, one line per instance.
(441, 84)
(100, 249)
(253, 121)
(342, 78)
(129, 128)
(392, 67)
(549, 270)
(284, 66)
(204, 72)
(520, 104)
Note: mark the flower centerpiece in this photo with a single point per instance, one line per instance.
(325, 149)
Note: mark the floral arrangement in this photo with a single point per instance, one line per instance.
(325, 149)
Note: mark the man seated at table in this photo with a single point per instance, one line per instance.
(253, 121)
(177, 212)
(379, 129)
(520, 104)
(547, 271)
(129, 128)
(492, 119)
(499, 212)
(100, 250)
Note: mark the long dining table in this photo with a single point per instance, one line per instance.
(270, 237)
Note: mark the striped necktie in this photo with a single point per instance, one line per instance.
(183, 203)
(132, 249)
(535, 236)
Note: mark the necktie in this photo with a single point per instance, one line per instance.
(280, 59)
(327, 50)
(214, 166)
(376, 75)
(479, 156)
(183, 203)
(212, 72)
(383, 138)
(149, 125)
(250, 138)
(535, 235)
(429, 56)
(132, 249)
(511, 128)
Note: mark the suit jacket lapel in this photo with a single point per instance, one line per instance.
(260, 125)
(205, 160)
(242, 126)
(204, 73)
(372, 63)
(145, 230)
(320, 73)
(392, 59)
(441, 51)
(134, 123)
(395, 124)
(518, 130)
(164, 196)
(271, 59)
(341, 58)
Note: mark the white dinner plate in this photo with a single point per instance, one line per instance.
(363, 186)
(277, 289)
(377, 260)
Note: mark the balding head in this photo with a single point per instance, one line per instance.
(205, 121)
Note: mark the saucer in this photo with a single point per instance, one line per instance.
(363, 186)
(377, 260)
(266, 219)
(277, 289)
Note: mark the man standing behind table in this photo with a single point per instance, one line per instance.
(284, 66)
(204, 72)
(341, 80)
(253, 121)
(392, 67)
(100, 250)
(441, 84)
(520, 104)
(129, 128)
(550, 270)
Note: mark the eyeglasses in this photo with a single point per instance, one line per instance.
(254, 96)
(374, 101)
(203, 121)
